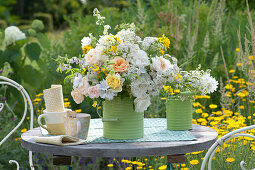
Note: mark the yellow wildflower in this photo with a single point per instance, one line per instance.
(199, 111)
(163, 98)
(205, 114)
(230, 160)
(161, 51)
(164, 40)
(251, 57)
(198, 152)
(239, 64)
(229, 86)
(113, 48)
(178, 77)
(231, 71)
(237, 49)
(213, 106)
(241, 107)
(23, 130)
(67, 104)
(37, 99)
(78, 111)
(177, 91)
(86, 49)
(94, 104)
(110, 165)
(163, 167)
(183, 165)
(66, 99)
(40, 94)
(194, 162)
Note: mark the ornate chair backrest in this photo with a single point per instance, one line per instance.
(27, 101)
(236, 133)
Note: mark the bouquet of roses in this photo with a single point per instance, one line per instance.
(120, 65)
(127, 66)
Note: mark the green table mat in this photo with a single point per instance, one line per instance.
(154, 131)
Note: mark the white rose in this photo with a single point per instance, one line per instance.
(161, 64)
(77, 96)
(84, 86)
(92, 57)
(85, 41)
(142, 103)
(13, 34)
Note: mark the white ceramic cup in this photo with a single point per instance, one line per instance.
(54, 122)
(77, 127)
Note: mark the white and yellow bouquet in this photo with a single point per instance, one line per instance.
(189, 83)
(120, 65)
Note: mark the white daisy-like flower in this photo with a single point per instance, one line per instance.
(13, 34)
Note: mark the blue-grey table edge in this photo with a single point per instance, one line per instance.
(205, 138)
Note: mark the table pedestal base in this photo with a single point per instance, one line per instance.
(178, 159)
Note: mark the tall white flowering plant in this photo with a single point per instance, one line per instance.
(120, 65)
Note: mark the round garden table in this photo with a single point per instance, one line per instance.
(175, 150)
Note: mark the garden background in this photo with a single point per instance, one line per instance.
(218, 34)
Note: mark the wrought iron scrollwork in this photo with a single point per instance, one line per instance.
(27, 101)
(237, 133)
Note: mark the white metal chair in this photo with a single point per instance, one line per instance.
(209, 155)
(27, 101)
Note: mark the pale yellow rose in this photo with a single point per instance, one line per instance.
(114, 82)
(120, 64)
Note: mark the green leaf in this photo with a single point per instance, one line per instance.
(18, 44)
(31, 76)
(8, 56)
(33, 50)
(43, 40)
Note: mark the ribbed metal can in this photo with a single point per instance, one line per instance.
(179, 114)
(120, 121)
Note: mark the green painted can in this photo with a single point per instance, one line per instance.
(120, 121)
(179, 114)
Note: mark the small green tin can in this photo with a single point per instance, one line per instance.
(179, 114)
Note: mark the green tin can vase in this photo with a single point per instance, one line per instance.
(179, 114)
(120, 121)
